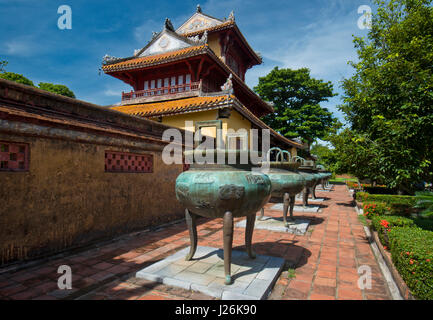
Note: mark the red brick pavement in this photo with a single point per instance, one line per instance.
(325, 259)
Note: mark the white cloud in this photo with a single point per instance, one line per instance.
(325, 49)
(112, 93)
(16, 47)
(143, 33)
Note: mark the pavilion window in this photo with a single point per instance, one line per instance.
(152, 86)
(166, 85)
(187, 82)
(180, 82)
(173, 83)
(146, 87)
(159, 85)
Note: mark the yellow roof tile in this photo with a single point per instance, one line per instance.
(143, 61)
(171, 106)
(214, 28)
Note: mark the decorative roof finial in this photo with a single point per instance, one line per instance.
(203, 39)
(168, 25)
(198, 9)
(228, 85)
(231, 16)
(108, 59)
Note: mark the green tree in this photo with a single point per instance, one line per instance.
(355, 154)
(57, 88)
(296, 97)
(325, 155)
(389, 99)
(19, 78)
(3, 64)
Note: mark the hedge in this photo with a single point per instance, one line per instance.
(383, 224)
(387, 198)
(378, 190)
(424, 223)
(388, 204)
(376, 209)
(412, 255)
(353, 185)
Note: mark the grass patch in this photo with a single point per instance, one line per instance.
(362, 219)
(343, 180)
(291, 273)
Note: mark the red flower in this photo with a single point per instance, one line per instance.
(411, 261)
(384, 224)
(428, 260)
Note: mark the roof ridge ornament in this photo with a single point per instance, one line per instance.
(231, 16)
(168, 25)
(228, 85)
(108, 59)
(199, 9)
(198, 40)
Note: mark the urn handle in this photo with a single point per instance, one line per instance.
(281, 155)
(268, 155)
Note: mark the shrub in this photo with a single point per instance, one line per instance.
(387, 198)
(362, 196)
(424, 201)
(376, 209)
(391, 204)
(353, 185)
(424, 223)
(412, 254)
(383, 224)
(378, 190)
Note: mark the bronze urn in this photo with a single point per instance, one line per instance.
(286, 182)
(228, 190)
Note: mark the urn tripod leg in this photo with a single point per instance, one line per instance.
(228, 242)
(251, 219)
(313, 192)
(262, 214)
(285, 207)
(292, 200)
(192, 227)
(305, 194)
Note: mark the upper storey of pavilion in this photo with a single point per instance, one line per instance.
(204, 56)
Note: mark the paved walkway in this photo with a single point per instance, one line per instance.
(325, 259)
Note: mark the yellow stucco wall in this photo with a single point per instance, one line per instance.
(214, 44)
(67, 199)
(180, 121)
(235, 122)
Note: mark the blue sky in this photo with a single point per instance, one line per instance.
(316, 34)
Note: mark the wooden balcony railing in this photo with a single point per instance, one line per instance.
(187, 87)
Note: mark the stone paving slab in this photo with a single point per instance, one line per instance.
(327, 189)
(276, 224)
(320, 200)
(252, 278)
(310, 208)
(325, 262)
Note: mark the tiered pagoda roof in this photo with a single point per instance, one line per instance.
(176, 107)
(210, 51)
